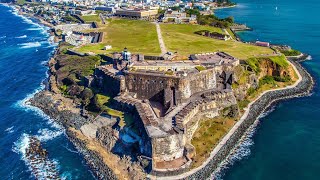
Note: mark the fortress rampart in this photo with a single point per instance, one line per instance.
(169, 102)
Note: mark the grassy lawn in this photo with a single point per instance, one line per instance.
(137, 36)
(208, 135)
(181, 38)
(20, 2)
(102, 101)
(125, 119)
(280, 60)
(91, 18)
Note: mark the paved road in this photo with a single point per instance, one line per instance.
(161, 42)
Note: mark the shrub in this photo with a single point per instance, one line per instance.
(266, 80)
(291, 52)
(282, 79)
(169, 72)
(250, 91)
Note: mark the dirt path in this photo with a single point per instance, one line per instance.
(161, 42)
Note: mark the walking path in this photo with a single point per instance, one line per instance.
(161, 42)
(227, 33)
(102, 19)
(230, 133)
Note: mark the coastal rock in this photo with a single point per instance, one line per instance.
(38, 157)
(54, 107)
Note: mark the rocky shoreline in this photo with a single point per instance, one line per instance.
(68, 119)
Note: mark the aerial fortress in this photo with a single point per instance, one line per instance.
(170, 97)
(177, 105)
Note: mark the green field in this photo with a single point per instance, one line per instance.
(181, 38)
(91, 18)
(137, 36)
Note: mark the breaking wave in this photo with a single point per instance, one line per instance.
(268, 111)
(21, 37)
(9, 130)
(40, 168)
(30, 45)
(35, 29)
(309, 58)
(46, 134)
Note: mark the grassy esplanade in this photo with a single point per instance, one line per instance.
(181, 38)
(138, 36)
(91, 18)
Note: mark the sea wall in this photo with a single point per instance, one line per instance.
(259, 106)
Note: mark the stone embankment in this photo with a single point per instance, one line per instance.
(301, 88)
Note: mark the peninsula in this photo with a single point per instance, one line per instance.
(158, 91)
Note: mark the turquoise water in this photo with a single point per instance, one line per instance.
(286, 144)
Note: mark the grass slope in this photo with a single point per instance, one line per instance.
(181, 38)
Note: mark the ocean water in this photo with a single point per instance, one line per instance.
(24, 49)
(286, 142)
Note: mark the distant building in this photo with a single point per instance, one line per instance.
(137, 13)
(107, 9)
(214, 35)
(107, 47)
(263, 44)
(179, 17)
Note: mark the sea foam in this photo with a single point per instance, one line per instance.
(309, 58)
(41, 169)
(30, 45)
(46, 134)
(21, 37)
(9, 130)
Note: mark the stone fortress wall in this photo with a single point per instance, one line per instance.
(186, 121)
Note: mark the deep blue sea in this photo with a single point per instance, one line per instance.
(24, 50)
(285, 145)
